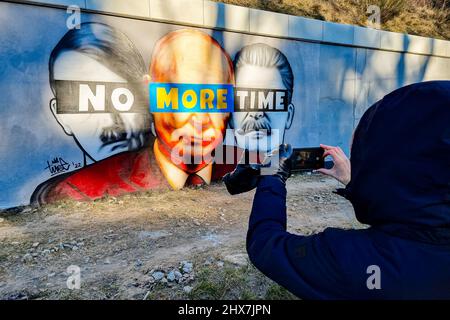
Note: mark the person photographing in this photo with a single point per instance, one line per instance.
(398, 181)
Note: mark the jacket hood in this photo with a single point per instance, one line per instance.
(400, 163)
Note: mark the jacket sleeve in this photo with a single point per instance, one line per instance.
(305, 265)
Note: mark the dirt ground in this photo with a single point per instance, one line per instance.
(187, 244)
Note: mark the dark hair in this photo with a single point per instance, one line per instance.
(114, 50)
(263, 55)
(104, 44)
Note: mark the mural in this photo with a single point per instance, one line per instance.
(260, 66)
(189, 56)
(125, 147)
(100, 132)
(75, 104)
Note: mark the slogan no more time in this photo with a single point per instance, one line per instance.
(94, 97)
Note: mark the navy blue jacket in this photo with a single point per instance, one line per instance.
(400, 186)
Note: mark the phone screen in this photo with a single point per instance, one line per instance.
(308, 159)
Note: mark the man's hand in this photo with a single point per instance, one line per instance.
(244, 178)
(283, 170)
(341, 168)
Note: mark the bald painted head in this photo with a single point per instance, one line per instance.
(190, 57)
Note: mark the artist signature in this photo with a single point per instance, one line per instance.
(59, 165)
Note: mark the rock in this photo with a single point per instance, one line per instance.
(74, 248)
(239, 259)
(317, 198)
(163, 280)
(158, 275)
(178, 275)
(45, 252)
(208, 261)
(18, 296)
(138, 263)
(27, 258)
(171, 276)
(187, 289)
(186, 266)
(2, 220)
(35, 244)
(220, 264)
(26, 210)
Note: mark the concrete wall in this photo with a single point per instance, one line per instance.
(220, 16)
(339, 71)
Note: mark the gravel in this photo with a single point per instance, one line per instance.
(158, 275)
(187, 289)
(186, 266)
(171, 276)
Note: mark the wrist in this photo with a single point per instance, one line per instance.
(270, 179)
(272, 183)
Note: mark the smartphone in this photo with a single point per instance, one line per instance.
(307, 159)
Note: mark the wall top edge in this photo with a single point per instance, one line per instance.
(362, 36)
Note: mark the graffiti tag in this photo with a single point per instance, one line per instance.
(59, 165)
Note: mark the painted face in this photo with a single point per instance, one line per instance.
(100, 135)
(192, 134)
(260, 131)
(190, 56)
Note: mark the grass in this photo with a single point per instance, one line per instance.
(429, 18)
(275, 292)
(229, 282)
(243, 283)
